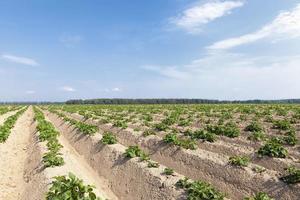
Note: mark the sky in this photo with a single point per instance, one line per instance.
(55, 50)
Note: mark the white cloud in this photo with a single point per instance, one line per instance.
(285, 25)
(68, 89)
(108, 90)
(19, 60)
(70, 40)
(116, 89)
(30, 92)
(193, 18)
(169, 71)
(233, 76)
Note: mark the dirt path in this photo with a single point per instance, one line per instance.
(12, 158)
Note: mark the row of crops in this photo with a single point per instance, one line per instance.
(272, 131)
(6, 127)
(62, 187)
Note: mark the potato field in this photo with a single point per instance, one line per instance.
(143, 152)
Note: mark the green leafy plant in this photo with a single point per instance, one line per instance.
(257, 136)
(282, 124)
(70, 187)
(52, 159)
(109, 138)
(172, 138)
(204, 135)
(259, 196)
(168, 171)
(258, 169)
(273, 149)
(254, 127)
(149, 132)
(199, 190)
(133, 151)
(161, 126)
(48, 133)
(290, 138)
(239, 161)
(9, 123)
(152, 164)
(293, 175)
(144, 157)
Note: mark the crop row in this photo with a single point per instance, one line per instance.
(62, 187)
(5, 128)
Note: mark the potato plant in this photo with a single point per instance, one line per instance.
(199, 190)
(70, 187)
(109, 138)
(241, 161)
(259, 196)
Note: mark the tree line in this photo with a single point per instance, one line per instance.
(177, 101)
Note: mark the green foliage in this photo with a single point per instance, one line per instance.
(258, 169)
(133, 151)
(144, 157)
(257, 136)
(109, 138)
(259, 196)
(293, 175)
(6, 127)
(86, 128)
(172, 138)
(161, 126)
(48, 133)
(149, 132)
(242, 161)
(120, 124)
(273, 149)
(282, 124)
(152, 164)
(290, 138)
(199, 190)
(52, 159)
(204, 135)
(70, 188)
(168, 171)
(230, 130)
(254, 127)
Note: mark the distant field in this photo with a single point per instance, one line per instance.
(206, 151)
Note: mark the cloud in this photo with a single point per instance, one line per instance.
(67, 89)
(30, 92)
(19, 60)
(116, 89)
(108, 90)
(225, 75)
(70, 40)
(285, 25)
(193, 18)
(169, 71)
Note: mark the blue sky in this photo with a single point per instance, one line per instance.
(217, 49)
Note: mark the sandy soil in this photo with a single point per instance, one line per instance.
(13, 155)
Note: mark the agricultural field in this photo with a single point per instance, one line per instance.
(194, 152)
